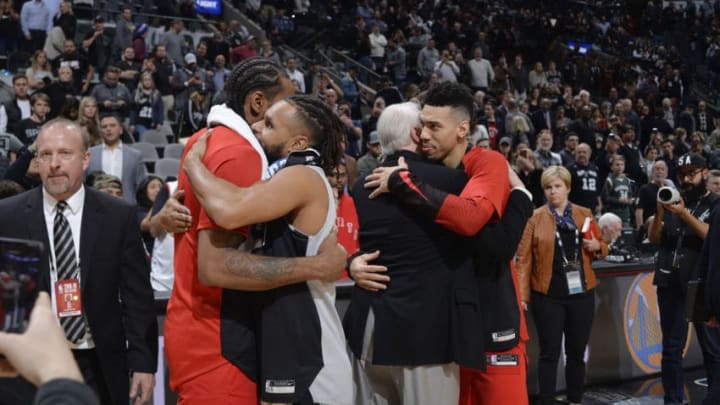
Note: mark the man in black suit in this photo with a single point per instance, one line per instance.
(98, 241)
(544, 118)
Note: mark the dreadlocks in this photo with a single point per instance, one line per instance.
(249, 75)
(326, 129)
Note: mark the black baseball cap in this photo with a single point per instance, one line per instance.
(691, 160)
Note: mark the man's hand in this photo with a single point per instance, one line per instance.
(378, 179)
(174, 216)
(141, 387)
(678, 208)
(334, 255)
(591, 245)
(369, 276)
(41, 353)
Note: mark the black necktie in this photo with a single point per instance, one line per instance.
(66, 267)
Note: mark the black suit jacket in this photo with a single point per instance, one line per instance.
(413, 323)
(538, 120)
(115, 280)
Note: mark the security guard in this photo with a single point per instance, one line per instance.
(680, 229)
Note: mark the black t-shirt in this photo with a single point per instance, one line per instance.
(27, 130)
(585, 187)
(572, 247)
(647, 200)
(78, 64)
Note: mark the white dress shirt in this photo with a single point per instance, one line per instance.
(73, 213)
(112, 160)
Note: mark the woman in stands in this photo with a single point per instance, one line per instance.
(195, 113)
(147, 110)
(145, 197)
(89, 118)
(554, 261)
(39, 73)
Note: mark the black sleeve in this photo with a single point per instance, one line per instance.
(62, 391)
(17, 170)
(500, 240)
(162, 196)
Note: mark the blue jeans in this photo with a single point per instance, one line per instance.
(671, 303)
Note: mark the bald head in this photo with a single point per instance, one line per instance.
(583, 152)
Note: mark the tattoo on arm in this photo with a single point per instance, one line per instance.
(254, 267)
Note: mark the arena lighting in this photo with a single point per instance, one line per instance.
(553, 21)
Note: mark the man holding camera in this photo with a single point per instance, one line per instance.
(679, 227)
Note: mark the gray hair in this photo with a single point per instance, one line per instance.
(395, 126)
(608, 219)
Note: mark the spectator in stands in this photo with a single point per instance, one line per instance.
(98, 46)
(112, 97)
(396, 62)
(502, 76)
(61, 91)
(89, 119)
(651, 155)
(138, 42)
(201, 55)
(519, 131)
(18, 108)
(610, 228)
(584, 126)
(237, 34)
(528, 170)
(669, 156)
(117, 159)
(163, 76)
(174, 42)
(427, 59)
(585, 190)
(220, 73)
(82, 71)
(543, 117)
(66, 20)
(35, 22)
(544, 154)
(124, 28)
(705, 119)
(632, 155)
(519, 79)
(245, 51)
(554, 268)
(647, 195)
(378, 43)
(28, 129)
(713, 181)
(536, 77)
(54, 44)
(618, 194)
(697, 145)
(481, 71)
(687, 120)
(371, 159)
(282, 26)
(147, 107)
(39, 74)
(108, 184)
(568, 154)
(129, 68)
(188, 80)
(312, 77)
(194, 115)
(369, 122)
(162, 260)
(9, 28)
(294, 74)
(145, 196)
(447, 69)
(267, 51)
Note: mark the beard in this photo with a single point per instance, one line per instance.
(274, 153)
(693, 192)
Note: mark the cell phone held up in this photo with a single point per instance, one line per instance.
(19, 277)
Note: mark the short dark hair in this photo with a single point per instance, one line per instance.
(111, 115)
(9, 188)
(18, 76)
(454, 95)
(249, 75)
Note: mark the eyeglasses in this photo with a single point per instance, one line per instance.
(46, 157)
(689, 176)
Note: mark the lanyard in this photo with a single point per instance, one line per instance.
(562, 248)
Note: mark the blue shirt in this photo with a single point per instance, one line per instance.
(35, 16)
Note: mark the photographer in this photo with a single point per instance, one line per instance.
(680, 228)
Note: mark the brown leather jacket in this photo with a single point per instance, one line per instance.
(537, 248)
